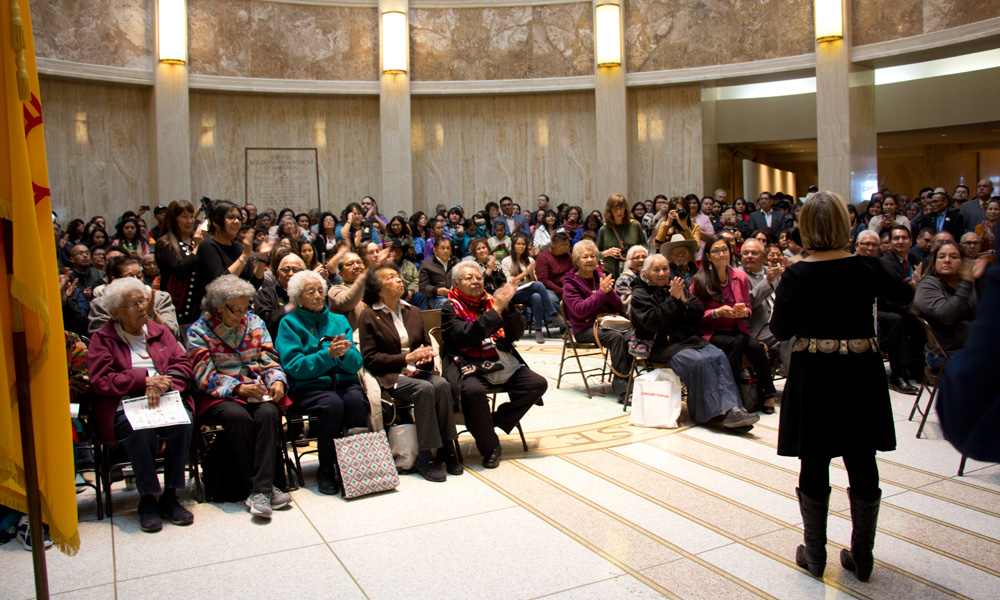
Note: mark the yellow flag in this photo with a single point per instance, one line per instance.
(24, 200)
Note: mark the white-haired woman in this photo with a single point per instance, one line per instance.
(667, 315)
(322, 363)
(130, 356)
(588, 292)
(634, 259)
(397, 352)
(241, 386)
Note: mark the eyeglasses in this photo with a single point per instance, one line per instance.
(135, 306)
(868, 244)
(292, 270)
(81, 253)
(352, 263)
(719, 251)
(471, 278)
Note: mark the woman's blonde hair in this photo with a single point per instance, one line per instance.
(580, 247)
(824, 223)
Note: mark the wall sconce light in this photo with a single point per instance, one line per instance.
(171, 21)
(829, 20)
(608, 29)
(394, 40)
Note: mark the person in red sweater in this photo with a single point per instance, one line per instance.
(552, 264)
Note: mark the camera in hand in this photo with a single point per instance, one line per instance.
(682, 214)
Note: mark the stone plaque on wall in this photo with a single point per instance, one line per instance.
(280, 177)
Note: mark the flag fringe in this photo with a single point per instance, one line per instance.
(35, 304)
(16, 27)
(68, 545)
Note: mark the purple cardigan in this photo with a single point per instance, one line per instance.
(109, 362)
(583, 305)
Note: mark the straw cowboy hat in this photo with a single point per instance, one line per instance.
(678, 240)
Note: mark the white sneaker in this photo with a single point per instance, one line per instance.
(279, 499)
(260, 505)
(24, 534)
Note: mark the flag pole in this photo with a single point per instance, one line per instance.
(23, 387)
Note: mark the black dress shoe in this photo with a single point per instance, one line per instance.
(327, 484)
(767, 410)
(430, 471)
(902, 386)
(493, 460)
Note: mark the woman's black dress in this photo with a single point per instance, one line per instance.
(834, 404)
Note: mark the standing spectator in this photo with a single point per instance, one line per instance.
(619, 233)
(889, 216)
(986, 230)
(221, 253)
(570, 225)
(128, 238)
(86, 276)
(176, 259)
(677, 222)
(326, 237)
(974, 211)
(160, 214)
(942, 218)
(369, 209)
(766, 216)
(418, 229)
(454, 230)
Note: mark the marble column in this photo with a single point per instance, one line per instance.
(845, 119)
(394, 113)
(611, 169)
(710, 169)
(171, 127)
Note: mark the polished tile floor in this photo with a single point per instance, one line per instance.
(596, 508)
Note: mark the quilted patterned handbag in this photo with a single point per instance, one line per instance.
(366, 464)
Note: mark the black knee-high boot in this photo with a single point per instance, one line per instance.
(864, 519)
(812, 555)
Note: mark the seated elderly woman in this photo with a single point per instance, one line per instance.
(634, 259)
(242, 385)
(725, 294)
(946, 297)
(478, 331)
(130, 356)
(397, 352)
(318, 354)
(588, 293)
(664, 313)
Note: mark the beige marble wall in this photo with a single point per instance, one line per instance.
(502, 42)
(470, 150)
(881, 20)
(277, 40)
(96, 139)
(117, 33)
(675, 34)
(343, 129)
(665, 142)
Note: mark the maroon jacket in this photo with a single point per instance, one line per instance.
(549, 269)
(109, 363)
(741, 292)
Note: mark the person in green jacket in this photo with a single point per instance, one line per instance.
(619, 233)
(322, 363)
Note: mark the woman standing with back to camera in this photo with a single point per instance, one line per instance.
(826, 301)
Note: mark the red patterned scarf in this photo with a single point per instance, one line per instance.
(469, 310)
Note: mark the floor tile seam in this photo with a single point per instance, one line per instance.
(952, 478)
(577, 587)
(847, 517)
(841, 489)
(330, 548)
(79, 589)
(693, 557)
(534, 451)
(398, 529)
(718, 530)
(219, 562)
(579, 539)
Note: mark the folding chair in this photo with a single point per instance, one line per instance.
(529, 322)
(569, 342)
(931, 376)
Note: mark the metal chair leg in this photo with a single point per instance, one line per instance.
(961, 466)
(562, 361)
(524, 443)
(927, 411)
(916, 401)
(583, 374)
(628, 390)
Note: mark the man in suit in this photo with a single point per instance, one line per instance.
(974, 210)
(766, 217)
(434, 274)
(906, 350)
(513, 223)
(763, 281)
(940, 217)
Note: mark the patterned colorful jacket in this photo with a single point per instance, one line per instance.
(225, 358)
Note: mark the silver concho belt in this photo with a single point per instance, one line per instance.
(857, 346)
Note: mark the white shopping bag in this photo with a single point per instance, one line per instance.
(656, 399)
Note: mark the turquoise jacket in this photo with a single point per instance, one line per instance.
(305, 361)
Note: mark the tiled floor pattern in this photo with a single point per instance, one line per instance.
(595, 509)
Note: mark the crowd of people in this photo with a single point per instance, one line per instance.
(252, 315)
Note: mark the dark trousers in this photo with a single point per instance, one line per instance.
(616, 343)
(433, 413)
(252, 431)
(735, 344)
(862, 473)
(345, 408)
(142, 445)
(902, 337)
(523, 389)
